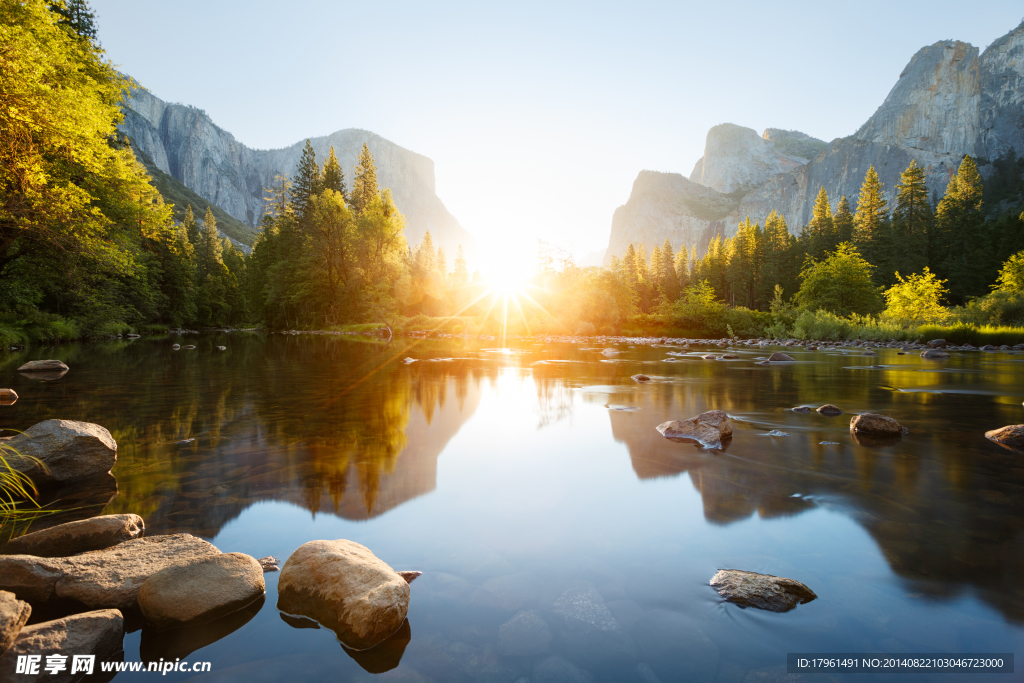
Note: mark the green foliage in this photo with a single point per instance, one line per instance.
(911, 222)
(871, 228)
(916, 300)
(966, 333)
(960, 242)
(1011, 275)
(364, 185)
(840, 284)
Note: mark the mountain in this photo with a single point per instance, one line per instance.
(183, 143)
(949, 101)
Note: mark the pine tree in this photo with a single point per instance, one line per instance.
(961, 241)
(842, 222)
(77, 16)
(364, 184)
(461, 274)
(742, 276)
(682, 265)
(306, 184)
(210, 251)
(426, 257)
(190, 226)
(277, 198)
(911, 222)
(442, 264)
(332, 177)
(669, 276)
(821, 229)
(871, 225)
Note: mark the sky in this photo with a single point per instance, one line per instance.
(538, 116)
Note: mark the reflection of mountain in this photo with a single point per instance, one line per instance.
(946, 511)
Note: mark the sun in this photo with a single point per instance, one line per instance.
(507, 280)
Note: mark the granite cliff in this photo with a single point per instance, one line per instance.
(184, 143)
(949, 101)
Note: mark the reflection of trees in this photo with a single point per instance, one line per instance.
(942, 504)
(328, 424)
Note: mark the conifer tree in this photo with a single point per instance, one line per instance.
(426, 257)
(442, 264)
(911, 222)
(210, 251)
(307, 182)
(821, 230)
(682, 265)
(277, 198)
(364, 184)
(461, 274)
(190, 226)
(77, 16)
(871, 224)
(629, 267)
(961, 240)
(332, 177)
(842, 221)
(669, 276)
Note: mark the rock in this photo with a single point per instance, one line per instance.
(776, 432)
(709, 428)
(610, 352)
(801, 409)
(987, 347)
(99, 633)
(201, 591)
(729, 356)
(523, 635)
(708, 357)
(345, 587)
(176, 346)
(588, 631)
(73, 538)
(869, 353)
(221, 348)
(641, 378)
(934, 354)
(44, 366)
(14, 615)
(875, 425)
(409, 576)
(778, 356)
(829, 410)
(8, 397)
(386, 655)
(937, 343)
(101, 578)
(189, 346)
(269, 564)
(1011, 435)
(69, 450)
(762, 591)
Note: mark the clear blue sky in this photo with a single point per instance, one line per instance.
(538, 116)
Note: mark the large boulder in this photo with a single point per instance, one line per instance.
(1010, 435)
(709, 428)
(763, 591)
(345, 587)
(99, 633)
(102, 578)
(872, 424)
(778, 356)
(201, 591)
(68, 450)
(14, 614)
(82, 536)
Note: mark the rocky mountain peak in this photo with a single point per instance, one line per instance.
(737, 158)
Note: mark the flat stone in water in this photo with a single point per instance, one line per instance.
(763, 591)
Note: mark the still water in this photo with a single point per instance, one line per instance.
(561, 537)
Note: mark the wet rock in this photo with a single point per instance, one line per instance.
(345, 587)
(101, 578)
(221, 348)
(875, 425)
(588, 631)
(869, 353)
(189, 346)
(934, 354)
(987, 347)
(610, 352)
(523, 635)
(829, 410)
(708, 357)
(779, 356)
(201, 591)
(763, 591)
(641, 378)
(937, 344)
(776, 432)
(801, 409)
(1011, 435)
(69, 450)
(729, 356)
(409, 576)
(43, 366)
(14, 615)
(99, 633)
(176, 347)
(82, 536)
(8, 397)
(709, 428)
(269, 564)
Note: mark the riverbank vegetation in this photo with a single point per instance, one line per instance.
(89, 248)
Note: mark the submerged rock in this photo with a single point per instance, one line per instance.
(934, 354)
(523, 635)
(829, 410)
(1010, 435)
(82, 536)
(801, 409)
(729, 356)
(69, 450)
(101, 578)
(641, 378)
(588, 630)
(8, 397)
(779, 356)
(99, 633)
(43, 366)
(875, 425)
(709, 428)
(763, 591)
(14, 615)
(345, 587)
(210, 588)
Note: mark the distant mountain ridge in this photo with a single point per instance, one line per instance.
(949, 101)
(184, 143)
